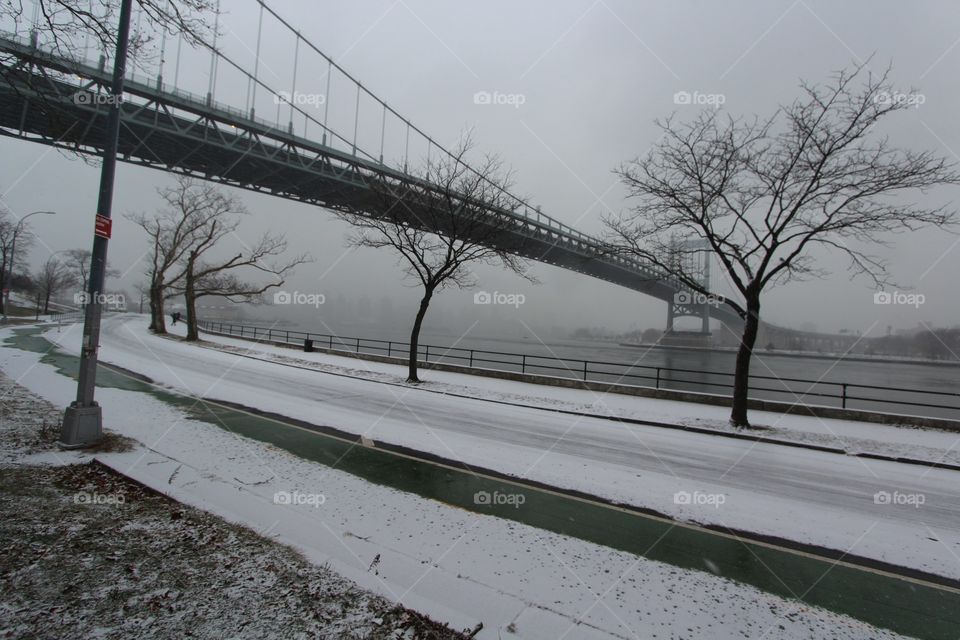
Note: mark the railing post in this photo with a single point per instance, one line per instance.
(843, 397)
(331, 342)
(389, 348)
(523, 364)
(358, 345)
(471, 357)
(288, 335)
(584, 370)
(658, 378)
(426, 355)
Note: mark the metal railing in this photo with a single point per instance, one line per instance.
(75, 315)
(846, 395)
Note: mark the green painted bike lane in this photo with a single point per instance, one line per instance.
(910, 604)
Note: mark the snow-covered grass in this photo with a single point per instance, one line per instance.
(455, 565)
(88, 553)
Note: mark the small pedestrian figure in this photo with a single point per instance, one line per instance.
(175, 316)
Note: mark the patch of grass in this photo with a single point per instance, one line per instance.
(88, 552)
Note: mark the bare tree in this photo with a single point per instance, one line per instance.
(52, 278)
(172, 231)
(78, 262)
(440, 225)
(12, 235)
(197, 217)
(223, 278)
(764, 193)
(66, 22)
(67, 25)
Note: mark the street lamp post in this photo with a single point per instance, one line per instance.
(13, 252)
(83, 419)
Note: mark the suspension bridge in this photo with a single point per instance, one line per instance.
(310, 151)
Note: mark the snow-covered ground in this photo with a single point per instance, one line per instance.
(90, 554)
(848, 435)
(455, 565)
(808, 496)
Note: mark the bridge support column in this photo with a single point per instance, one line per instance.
(682, 306)
(670, 317)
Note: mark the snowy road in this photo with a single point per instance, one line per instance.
(807, 496)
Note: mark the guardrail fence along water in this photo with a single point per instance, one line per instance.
(830, 393)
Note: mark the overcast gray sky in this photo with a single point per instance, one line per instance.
(591, 76)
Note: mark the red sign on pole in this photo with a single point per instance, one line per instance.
(103, 227)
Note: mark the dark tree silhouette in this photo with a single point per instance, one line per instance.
(764, 193)
(453, 217)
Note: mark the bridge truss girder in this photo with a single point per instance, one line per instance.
(182, 134)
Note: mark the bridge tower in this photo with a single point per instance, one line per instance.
(692, 257)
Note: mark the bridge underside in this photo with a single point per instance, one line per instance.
(182, 134)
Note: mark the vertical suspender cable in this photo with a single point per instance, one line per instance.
(176, 67)
(35, 32)
(293, 85)
(86, 37)
(383, 130)
(406, 148)
(326, 102)
(137, 40)
(356, 120)
(213, 54)
(256, 65)
(163, 59)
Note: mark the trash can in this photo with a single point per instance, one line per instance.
(308, 345)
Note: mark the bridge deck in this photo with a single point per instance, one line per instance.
(182, 133)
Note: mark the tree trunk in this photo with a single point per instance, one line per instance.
(46, 302)
(3, 284)
(157, 321)
(190, 300)
(741, 380)
(415, 336)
